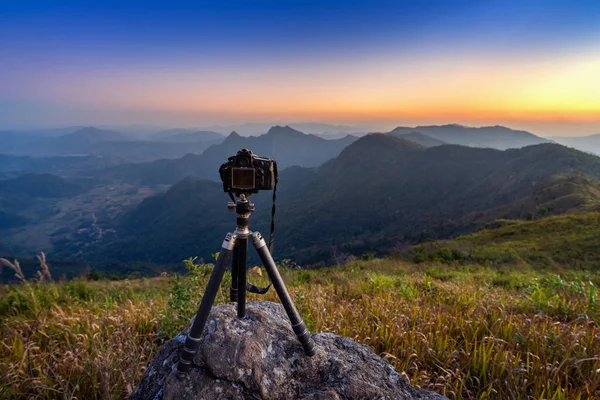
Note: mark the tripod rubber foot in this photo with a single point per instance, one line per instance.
(304, 338)
(180, 375)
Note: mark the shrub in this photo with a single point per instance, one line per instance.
(303, 277)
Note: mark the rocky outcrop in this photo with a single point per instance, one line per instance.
(258, 357)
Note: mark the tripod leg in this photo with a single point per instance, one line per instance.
(297, 323)
(241, 248)
(192, 342)
(233, 289)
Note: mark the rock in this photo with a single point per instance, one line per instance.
(258, 357)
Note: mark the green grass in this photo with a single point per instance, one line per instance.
(466, 331)
(563, 241)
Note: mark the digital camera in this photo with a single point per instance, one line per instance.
(247, 173)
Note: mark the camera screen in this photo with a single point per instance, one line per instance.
(242, 178)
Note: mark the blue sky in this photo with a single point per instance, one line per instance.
(179, 62)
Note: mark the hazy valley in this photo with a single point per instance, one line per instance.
(87, 197)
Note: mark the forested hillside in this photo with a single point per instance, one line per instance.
(381, 192)
(566, 241)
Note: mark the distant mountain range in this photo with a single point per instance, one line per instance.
(175, 143)
(19, 194)
(104, 143)
(286, 145)
(79, 142)
(314, 128)
(179, 136)
(282, 143)
(419, 138)
(76, 143)
(379, 192)
(495, 137)
(291, 147)
(9, 141)
(347, 195)
(13, 166)
(40, 185)
(590, 144)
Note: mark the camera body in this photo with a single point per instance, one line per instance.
(247, 173)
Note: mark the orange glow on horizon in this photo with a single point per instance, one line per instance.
(451, 89)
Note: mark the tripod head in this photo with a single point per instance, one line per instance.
(243, 208)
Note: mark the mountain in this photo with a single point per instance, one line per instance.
(76, 143)
(163, 171)
(560, 194)
(496, 137)
(185, 136)
(11, 141)
(286, 145)
(21, 193)
(417, 137)
(47, 132)
(12, 166)
(329, 129)
(341, 135)
(590, 144)
(40, 185)
(104, 143)
(162, 210)
(380, 191)
(91, 135)
(315, 128)
(560, 241)
(148, 151)
(14, 140)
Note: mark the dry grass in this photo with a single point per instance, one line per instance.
(466, 341)
(44, 271)
(466, 332)
(73, 353)
(15, 266)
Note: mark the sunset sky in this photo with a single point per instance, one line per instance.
(526, 64)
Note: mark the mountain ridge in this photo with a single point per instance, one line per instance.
(91, 141)
(419, 138)
(286, 145)
(497, 136)
(187, 136)
(589, 143)
(380, 191)
(540, 243)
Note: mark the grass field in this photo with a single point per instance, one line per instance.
(570, 241)
(465, 331)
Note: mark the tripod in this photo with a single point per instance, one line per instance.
(237, 243)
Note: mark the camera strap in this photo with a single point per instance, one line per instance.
(273, 208)
(250, 287)
(256, 289)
